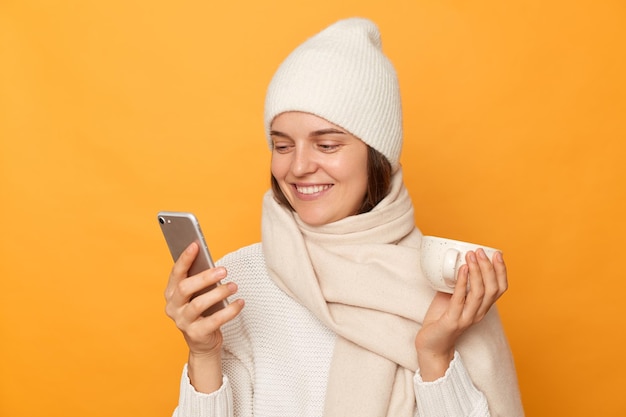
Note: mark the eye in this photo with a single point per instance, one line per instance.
(328, 147)
(282, 147)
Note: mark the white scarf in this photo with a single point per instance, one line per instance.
(361, 277)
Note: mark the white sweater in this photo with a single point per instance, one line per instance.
(277, 356)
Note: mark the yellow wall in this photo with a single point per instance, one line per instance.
(113, 110)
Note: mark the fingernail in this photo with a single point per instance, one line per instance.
(481, 253)
(499, 257)
(472, 256)
(232, 287)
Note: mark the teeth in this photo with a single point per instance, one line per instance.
(312, 189)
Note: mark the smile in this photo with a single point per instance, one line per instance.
(312, 189)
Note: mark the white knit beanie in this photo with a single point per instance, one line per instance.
(342, 75)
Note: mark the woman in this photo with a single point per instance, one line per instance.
(339, 320)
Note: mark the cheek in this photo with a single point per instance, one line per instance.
(362, 179)
(361, 185)
(358, 170)
(277, 167)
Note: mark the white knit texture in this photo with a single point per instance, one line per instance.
(277, 357)
(342, 75)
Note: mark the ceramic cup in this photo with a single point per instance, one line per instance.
(441, 259)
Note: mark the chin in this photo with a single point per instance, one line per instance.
(314, 219)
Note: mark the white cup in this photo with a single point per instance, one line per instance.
(441, 259)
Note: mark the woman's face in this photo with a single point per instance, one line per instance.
(321, 168)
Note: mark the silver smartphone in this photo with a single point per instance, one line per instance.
(180, 229)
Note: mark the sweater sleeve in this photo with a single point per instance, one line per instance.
(453, 395)
(197, 404)
(234, 398)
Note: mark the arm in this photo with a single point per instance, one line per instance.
(433, 398)
(442, 375)
(197, 404)
(450, 316)
(234, 397)
(202, 334)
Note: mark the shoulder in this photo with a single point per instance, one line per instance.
(249, 258)
(246, 267)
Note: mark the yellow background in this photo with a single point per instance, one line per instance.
(113, 110)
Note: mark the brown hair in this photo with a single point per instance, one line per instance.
(378, 181)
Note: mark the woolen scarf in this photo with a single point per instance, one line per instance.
(361, 277)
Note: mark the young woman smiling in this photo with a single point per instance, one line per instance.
(320, 169)
(339, 319)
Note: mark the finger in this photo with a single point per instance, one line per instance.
(223, 316)
(198, 305)
(202, 328)
(457, 301)
(187, 288)
(192, 310)
(184, 261)
(180, 269)
(476, 292)
(490, 283)
(501, 272)
(488, 272)
(200, 282)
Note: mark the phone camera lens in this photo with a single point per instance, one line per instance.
(161, 220)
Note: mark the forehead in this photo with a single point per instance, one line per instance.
(302, 121)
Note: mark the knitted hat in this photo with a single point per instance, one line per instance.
(342, 75)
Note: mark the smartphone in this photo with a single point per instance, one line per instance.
(180, 229)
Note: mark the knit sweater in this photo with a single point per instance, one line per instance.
(276, 359)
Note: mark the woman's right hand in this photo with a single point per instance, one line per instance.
(202, 334)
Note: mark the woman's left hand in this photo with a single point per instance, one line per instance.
(450, 315)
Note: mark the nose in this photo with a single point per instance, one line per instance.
(303, 161)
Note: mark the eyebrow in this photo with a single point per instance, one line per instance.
(327, 132)
(315, 133)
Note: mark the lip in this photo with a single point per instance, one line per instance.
(309, 192)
